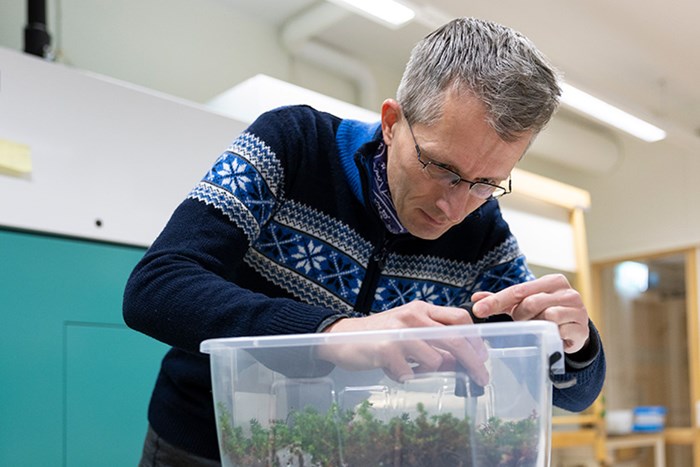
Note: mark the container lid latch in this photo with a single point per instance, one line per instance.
(556, 366)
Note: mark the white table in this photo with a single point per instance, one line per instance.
(639, 440)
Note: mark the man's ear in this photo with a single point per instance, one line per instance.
(391, 115)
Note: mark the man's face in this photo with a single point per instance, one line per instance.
(461, 140)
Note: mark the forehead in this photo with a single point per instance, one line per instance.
(463, 138)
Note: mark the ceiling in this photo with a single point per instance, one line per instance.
(640, 55)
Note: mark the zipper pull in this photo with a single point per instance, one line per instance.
(379, 256)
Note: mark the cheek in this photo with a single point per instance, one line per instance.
(404, 183)
(395, 174)
(408, 185)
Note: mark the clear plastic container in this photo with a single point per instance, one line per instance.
(279, 403)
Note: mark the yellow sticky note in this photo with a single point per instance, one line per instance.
(15, 157)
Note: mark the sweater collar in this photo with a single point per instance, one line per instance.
(380, 194)
(353, 136)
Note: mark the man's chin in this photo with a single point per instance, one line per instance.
(428, 232)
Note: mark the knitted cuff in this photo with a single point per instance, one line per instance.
(588, 354)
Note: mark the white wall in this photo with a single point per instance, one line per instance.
(648, 202)
(656, 197)
(109, 161)
(194, 49)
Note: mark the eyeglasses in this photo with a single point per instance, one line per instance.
(450, 179)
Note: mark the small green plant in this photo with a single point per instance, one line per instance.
(357, 438)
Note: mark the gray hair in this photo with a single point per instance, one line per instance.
(498, 65)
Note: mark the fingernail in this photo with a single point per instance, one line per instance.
(478, 345)
(484, 379)
(480, 309)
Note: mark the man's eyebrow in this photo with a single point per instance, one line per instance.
(492, 180)
(440, 159)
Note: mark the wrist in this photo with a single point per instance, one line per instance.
(587, 354)
(328, 324)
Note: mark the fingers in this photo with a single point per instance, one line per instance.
(574, 336)
(477, 296)
(421, 314)
(449, 315)
(413, 357)
(401, 360)
(470, 353)
(421, 357)
(549, 298)
(506, 300)
(415, 314)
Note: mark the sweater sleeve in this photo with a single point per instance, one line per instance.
(582, 382)
(579, 386)
(182, 291)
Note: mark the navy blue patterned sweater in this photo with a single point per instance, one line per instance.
(279, 238)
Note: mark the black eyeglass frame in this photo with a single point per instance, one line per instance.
(458, 178)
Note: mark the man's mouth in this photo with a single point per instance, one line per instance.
(433, 221)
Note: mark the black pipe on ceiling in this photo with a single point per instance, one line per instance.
(36, 36)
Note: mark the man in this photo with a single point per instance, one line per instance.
(310, 223)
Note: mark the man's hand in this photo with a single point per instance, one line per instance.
(549, 298)
(401, 359)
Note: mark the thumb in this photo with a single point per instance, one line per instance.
(476, 297)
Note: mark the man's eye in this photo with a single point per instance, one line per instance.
(443, 166)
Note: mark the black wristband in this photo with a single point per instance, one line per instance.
(587, 355)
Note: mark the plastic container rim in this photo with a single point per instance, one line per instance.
(548, 329)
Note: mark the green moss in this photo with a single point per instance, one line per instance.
(346, 439)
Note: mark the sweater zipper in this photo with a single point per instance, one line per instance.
(377, 260)
(375, 265)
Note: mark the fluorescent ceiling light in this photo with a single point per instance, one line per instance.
(247, 100)
(388, 12)
(609, 114)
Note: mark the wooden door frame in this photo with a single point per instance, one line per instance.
(687, 436)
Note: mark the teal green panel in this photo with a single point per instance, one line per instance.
(110, 371)
(45, 282)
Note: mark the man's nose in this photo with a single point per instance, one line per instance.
(454, 203)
